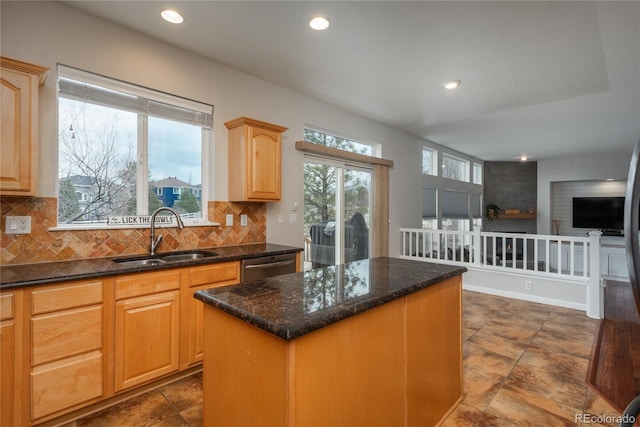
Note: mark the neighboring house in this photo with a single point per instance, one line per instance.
(168, 190)
(83, 186)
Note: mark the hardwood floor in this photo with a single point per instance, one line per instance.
(614, 372)
(525, 364)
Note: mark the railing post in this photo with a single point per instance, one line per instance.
(595, 292)
(476, 247)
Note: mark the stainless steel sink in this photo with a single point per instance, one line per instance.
(160, 259)
(184, 256)
(140, 261)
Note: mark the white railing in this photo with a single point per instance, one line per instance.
(552, 259)
(566, 256)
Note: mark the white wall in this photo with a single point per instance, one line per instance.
(563, 192)
(585, 168)
(47, 33)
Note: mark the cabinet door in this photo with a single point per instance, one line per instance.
(201, 278)
(19, 126)
(196, 327)
(563, 262)
(263, 164)
(7, 359)
(618, 266)
(147, 338)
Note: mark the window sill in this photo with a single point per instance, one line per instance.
(127, 227)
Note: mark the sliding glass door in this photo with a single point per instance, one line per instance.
(337, 212)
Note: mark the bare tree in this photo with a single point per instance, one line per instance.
(94, 152)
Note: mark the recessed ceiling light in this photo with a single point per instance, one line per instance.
(319, 23)
(172, 16)
(452, 84)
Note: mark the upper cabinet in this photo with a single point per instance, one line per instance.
(19, 141)
(255, 150)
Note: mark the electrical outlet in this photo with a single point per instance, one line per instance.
(18, 225)
(229, 220)
(243, 220)
(528, 285)
(293, 218)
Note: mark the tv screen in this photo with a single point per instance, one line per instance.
(598, 213)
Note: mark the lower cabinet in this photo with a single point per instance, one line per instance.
(613, 259)
(201, 278)
(70, 345)
(7, 358)
(67, 347)
(147, 326)
(613, 262)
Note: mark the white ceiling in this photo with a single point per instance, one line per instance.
(545, 79)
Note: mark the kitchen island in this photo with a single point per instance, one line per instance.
(372, 342)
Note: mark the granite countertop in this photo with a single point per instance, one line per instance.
(20, 275)
(295, 304)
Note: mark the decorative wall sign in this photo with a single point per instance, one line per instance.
(140, 220)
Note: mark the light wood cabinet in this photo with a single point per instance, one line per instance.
(19, 142)
(67, 347)
(8, 368)
(201, 278)
(401, 360)
(147, 323)
(255, 151)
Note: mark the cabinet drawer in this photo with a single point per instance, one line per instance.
(225, 273)
(64, 384)
(66, 297)
(147, 283)
(59, 335)
(7, 304)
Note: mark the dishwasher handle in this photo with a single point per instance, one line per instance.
(269, 265)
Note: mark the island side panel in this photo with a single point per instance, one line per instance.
(434, 352)
(352, 373)
(244, 378)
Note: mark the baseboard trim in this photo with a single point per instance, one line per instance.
(525, 297)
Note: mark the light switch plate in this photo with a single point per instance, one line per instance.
(243, 220)
(18, 225)
(293, 218)
(229, 220)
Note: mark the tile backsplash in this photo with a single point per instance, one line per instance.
(44, 244)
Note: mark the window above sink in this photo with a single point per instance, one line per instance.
(127, 150)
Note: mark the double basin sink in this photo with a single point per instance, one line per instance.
(158, 259)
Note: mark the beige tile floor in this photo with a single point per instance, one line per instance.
(524, 365)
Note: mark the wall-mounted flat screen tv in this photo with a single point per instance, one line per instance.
(599, 213)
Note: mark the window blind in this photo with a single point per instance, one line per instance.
(455, 204)
(476, 206)
(87, 87)
(429, 203)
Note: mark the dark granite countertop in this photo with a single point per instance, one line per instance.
(20, 275)
(292, 305)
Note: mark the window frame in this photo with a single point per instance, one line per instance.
(466, 163)
(477, 178)
(374, 148)
(434, 161)
(168, 107)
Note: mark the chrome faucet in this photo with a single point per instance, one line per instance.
(155, 242)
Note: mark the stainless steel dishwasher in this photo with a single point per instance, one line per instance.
(263, 267)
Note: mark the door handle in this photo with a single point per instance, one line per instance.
(269, 265)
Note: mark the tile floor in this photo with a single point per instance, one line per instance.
(524, 365)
